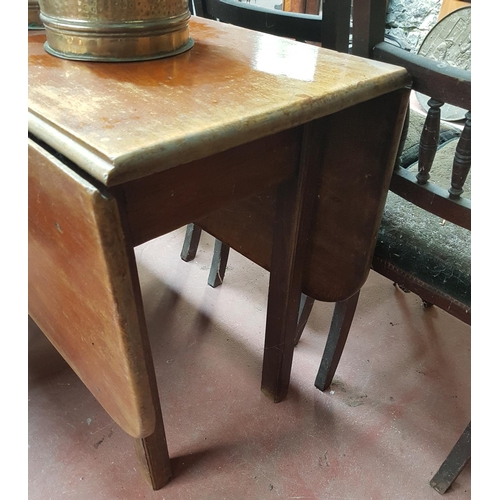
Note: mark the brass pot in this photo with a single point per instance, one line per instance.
(116, 30)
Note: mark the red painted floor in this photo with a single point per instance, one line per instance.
(400, 399)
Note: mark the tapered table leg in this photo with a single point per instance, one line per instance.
(152, 453)
(295, 205)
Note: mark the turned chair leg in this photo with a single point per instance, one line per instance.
(191, 241)
(454, 463)
(305, 308)
(337, 336)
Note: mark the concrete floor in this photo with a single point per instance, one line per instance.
(399, 401)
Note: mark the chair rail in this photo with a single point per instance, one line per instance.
(431, 198)
(433, 78)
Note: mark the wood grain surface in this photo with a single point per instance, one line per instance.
(123, 121)
(81, 293)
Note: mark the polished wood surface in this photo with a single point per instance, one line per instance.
(124, 121)
(80, 289)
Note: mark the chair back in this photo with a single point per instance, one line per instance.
(450, 86)
(330, 28)
(435, 263)
(444, 84)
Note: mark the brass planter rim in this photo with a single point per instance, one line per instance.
(127, 32)
(124, 28)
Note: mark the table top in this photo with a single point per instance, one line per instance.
(124, 121)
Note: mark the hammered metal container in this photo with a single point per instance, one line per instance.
(116, 30)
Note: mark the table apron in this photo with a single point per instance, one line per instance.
(163, 202)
